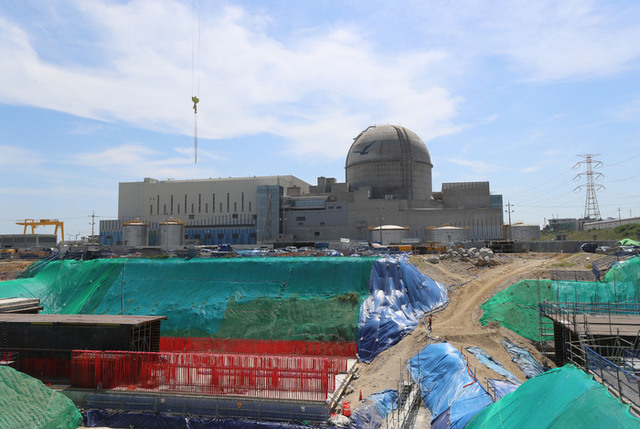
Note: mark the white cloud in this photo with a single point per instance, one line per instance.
(312, 92)
(478, 167)
(17, 157)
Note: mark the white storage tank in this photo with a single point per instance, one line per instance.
(171, 234)
(448, 234)
(388, 234)
(135, 233)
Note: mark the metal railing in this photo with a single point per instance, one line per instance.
(256, 376)
(615, 365)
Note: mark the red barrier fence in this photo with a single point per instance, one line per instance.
(259, 376)
(268, 347)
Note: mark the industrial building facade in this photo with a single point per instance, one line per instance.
(388, 182)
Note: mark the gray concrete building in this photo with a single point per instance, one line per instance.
(387, 182)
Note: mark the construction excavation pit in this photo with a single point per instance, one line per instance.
(396, 342)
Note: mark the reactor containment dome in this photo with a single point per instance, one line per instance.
(393, 161)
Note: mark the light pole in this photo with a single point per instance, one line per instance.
(509, 205)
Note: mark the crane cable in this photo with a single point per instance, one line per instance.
(195, 73)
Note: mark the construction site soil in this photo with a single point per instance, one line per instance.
(458, 323)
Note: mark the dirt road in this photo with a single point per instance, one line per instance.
(459, 322)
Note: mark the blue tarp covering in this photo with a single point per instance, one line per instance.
(385, 401)
(447, 387)
(365, 417)
(378, 406)
(102, 418)
(488, 361)
(399, 295)
(521, 357)
(502, 387)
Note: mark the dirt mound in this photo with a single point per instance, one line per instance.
(459, 322)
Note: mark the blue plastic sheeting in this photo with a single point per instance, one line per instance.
(446, 384)
(385, 401)
(521, 357)
(102, 418)
(378, 406)
(502, 387)
(488, 361)
(399, 295)
(365, 417)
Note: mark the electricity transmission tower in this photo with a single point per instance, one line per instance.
(591, 209)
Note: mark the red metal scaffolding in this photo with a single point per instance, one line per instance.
(259, 376)
(268, 347)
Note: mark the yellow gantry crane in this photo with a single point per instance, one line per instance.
(42, 222)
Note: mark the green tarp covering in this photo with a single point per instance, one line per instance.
(629, 242)
(516, 307)
(559, 398)
(311, 299)
(27, 403)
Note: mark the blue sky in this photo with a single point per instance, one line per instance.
(95, 93)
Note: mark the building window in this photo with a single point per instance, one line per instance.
(227, 202)
(199, 203)
(207, 236)
(185, 203)
(165, 209)
(192, 208)
(206, 207)
(178, 208)
(150, 209)
(234, 235)
(158, 204)
(213, 204)
(220, 236)
(234, 216)
(316, 233)
(220, 207)
(197, 236)
(191, 217)
(171, 204)
(301, 218)
(253, 235)
(242, 203)
(249, 206)
(235, 207)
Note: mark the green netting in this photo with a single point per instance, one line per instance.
(562, 397)
(27, 403)
(516, 307)
(287, 298)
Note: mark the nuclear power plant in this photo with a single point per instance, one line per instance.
(387, 187)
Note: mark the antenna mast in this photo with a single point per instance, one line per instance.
(591, 209)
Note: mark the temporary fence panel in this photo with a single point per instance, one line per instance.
(259, 376)
(267, 347)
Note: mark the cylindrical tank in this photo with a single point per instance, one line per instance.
(388, 234)
(171, 234)
(393, 161)
(135, 233)
(448, 234)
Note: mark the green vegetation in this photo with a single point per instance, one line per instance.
(631, 230)
(350, 297)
